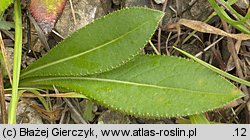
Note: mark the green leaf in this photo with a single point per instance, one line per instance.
(198, 119)
(223, 15)
(101, 46)
(17, 62)
(88, 110)
(6, 25)
(4, 5)
(152, 86)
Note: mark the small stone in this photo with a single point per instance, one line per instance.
(116, 2)
(159, 1)
(112, 117)
(86, 11)
(244, 4)
(142, 3)
(200, 10)
(27, 115)
(26, 61)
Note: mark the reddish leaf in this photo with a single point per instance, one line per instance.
(46, 12)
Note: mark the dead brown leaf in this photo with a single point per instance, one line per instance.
(205, 28)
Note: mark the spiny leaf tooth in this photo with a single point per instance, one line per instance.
(131, 111)
(157, 114)
(166, 114)
(120, 109)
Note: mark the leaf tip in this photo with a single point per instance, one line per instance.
(237, 93)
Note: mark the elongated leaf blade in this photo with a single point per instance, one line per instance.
(100, 46)
(152, 86)
(4, 5)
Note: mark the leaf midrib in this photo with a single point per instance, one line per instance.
(128, 83)
(85, 52)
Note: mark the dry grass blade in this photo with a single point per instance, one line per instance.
(205, 28)
(208, 47)
(48, 115)
(2, 101)
(73, 109)
(5, 58)
(73, 12)
(59, 95)
(159, 30)
(40, 33)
